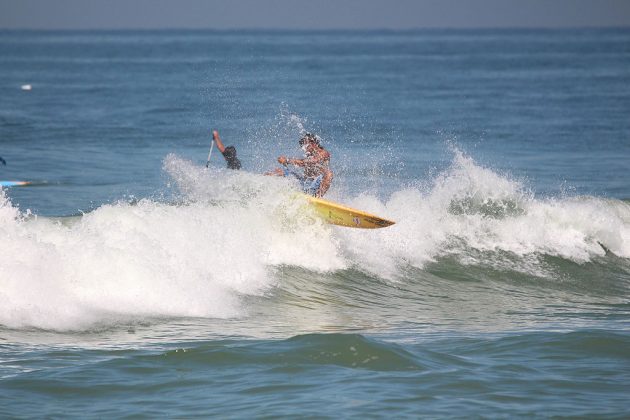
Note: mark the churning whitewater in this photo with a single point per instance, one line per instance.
(216, 242)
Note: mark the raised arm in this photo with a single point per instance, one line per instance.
(320, 156)
(217, 139)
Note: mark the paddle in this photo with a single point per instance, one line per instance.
(210, 154)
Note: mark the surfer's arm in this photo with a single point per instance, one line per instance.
(283, 160)
(312, 160)
(217, 139)
(296, 162)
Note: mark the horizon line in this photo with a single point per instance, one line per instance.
(305, 30)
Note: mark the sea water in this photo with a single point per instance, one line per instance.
(134, 281)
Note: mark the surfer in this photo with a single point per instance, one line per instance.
(4, 162)
(229, 153)
(316, 176)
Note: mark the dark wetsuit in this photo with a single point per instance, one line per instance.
(230, 157)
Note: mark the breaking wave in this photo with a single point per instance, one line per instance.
(227, 233)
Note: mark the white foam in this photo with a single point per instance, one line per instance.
(469, 207)
(231, 230)
(152, 259)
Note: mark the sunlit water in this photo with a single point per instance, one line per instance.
(136, 281)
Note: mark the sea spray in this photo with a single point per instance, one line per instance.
(116, 263)
(266, 207)
(227, 235)
(149, 259)
(465, 210)
(470, 209)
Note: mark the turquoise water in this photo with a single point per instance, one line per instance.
(136, 282)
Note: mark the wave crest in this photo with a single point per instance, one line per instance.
(229, 232)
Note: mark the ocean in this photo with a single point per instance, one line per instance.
(136, 282)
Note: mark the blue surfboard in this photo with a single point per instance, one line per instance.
(14, 183)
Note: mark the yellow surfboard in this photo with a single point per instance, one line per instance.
(337, 214)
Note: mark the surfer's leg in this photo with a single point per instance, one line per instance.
(326, 180)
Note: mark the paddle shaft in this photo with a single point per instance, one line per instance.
(210, 154)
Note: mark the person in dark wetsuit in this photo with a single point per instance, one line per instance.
(229, 153)
(4, 162)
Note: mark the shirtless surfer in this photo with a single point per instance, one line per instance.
(316, 176)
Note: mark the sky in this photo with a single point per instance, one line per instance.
(311, 14)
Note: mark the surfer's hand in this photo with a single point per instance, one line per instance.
(215, 134)
(282, 160)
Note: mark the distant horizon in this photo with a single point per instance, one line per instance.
(322, 15)
(294, 30)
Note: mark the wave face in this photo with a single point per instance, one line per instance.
(230, 236)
